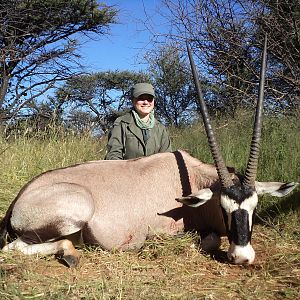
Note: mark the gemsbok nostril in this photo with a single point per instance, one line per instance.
(231, 258)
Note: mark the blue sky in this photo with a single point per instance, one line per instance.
(123, 49)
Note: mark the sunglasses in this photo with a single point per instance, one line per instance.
(145, 98)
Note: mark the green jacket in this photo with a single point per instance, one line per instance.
(126, 140)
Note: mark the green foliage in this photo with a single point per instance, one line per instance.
(102, 96)
(175, 96)
(38, 41)
(281, 21)
(84, 14)
(227, 39)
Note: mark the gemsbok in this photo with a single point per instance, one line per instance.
(118, 204)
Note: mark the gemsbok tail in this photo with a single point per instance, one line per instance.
(5, 227)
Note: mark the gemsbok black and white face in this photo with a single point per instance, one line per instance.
(238, 200)
(238, 207)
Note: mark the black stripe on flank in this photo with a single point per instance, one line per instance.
(183, 173)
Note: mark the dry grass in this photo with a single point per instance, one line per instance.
(166, 268)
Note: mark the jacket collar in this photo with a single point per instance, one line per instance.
(128, 117)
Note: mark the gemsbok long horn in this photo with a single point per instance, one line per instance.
(251, 170)
(223, 173)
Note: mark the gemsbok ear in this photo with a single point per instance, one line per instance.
(277, 189)
(196, 199)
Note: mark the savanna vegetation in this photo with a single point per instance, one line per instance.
(54, 114)
(44, 79)
(165, 268)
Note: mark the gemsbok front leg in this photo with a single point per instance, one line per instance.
(63, 249)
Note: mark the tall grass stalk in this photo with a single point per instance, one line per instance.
(280, 146)
(23, 158)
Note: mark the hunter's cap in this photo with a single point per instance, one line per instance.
(142, 88)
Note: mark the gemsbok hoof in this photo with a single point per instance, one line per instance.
(70, 261)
